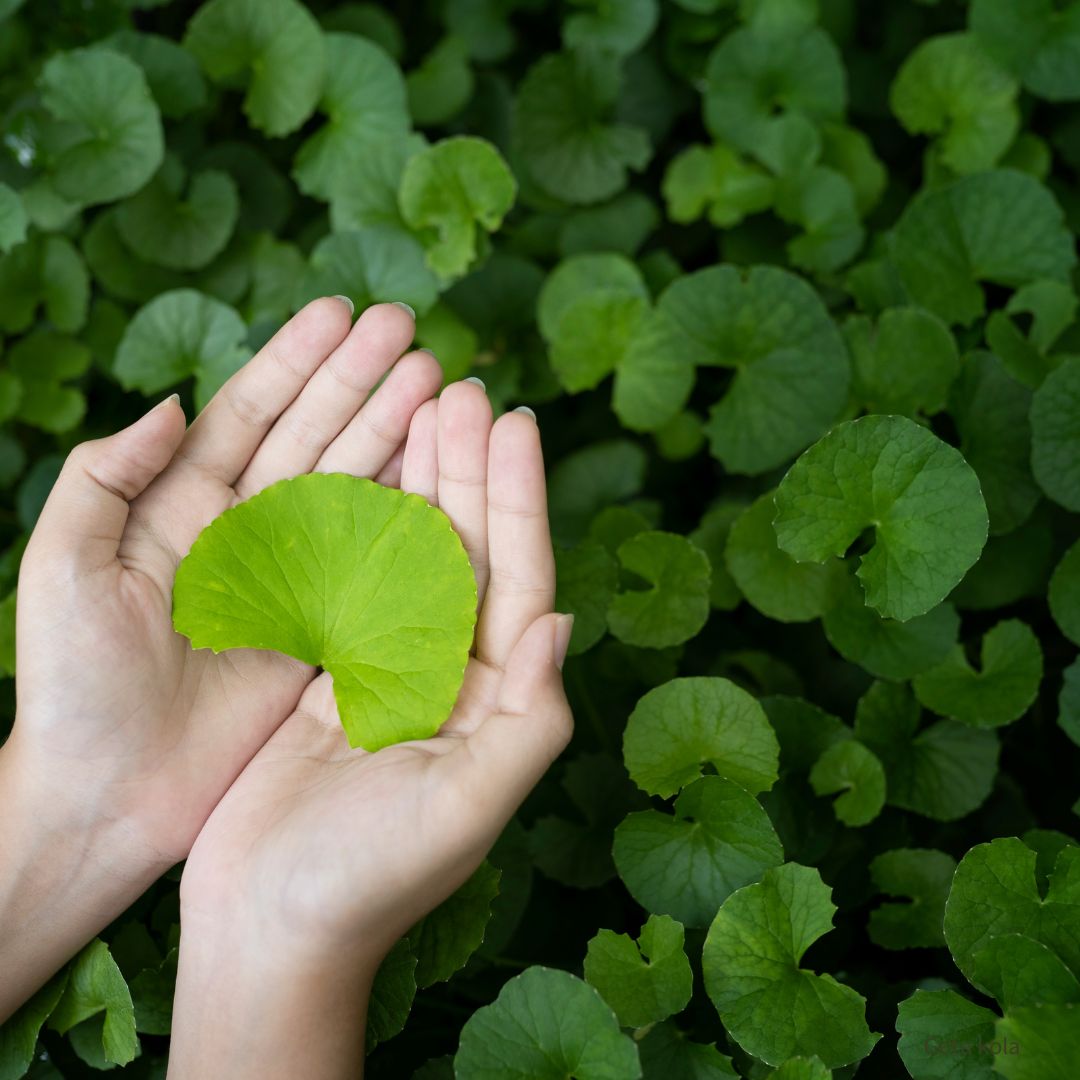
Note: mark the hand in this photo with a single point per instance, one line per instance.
(320, 857)
(126, 738)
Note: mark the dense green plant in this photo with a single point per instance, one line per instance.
(790, 284)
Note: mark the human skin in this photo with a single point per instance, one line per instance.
(125, 738)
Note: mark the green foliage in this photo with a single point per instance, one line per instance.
(791, 287)
(241, 587)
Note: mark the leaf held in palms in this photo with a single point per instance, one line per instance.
(368, 582)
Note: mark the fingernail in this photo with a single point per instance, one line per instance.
(405, 307)
(162, 404)
(564, 627)
(476, 382)
(346, 301)
(430, 352)
(528, 412)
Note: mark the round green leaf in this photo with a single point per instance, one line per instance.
(922, 875)
(769, 1005)
(545, 1025)
(442, 85)
(991, 413)
(365, 581)
(757, 72)
(454, 188)
(667, 1052)
(850, 768)
(177, 335)
(905, 363)
(771, 580)
(686, 723)
(1001, 692)
(950, 87)
(180, 231)
(919, 495)
(110, 142)
(684, 864)
(944, 771)
(995, 892)
(564, 131)
(42, 361)
(644, 981)
(590, 479)
(790, 368)
(364, 103)
(675, 606)
(1049, 1036)
(374, 265)
(392, 994)
(1055, 434)
(715, 179)
(711, 536)
(275, 48)
(1001, 227)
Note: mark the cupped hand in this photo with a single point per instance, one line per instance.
(118, 719)
(329, 854)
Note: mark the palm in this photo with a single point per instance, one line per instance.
(179, 725)
(323, 828)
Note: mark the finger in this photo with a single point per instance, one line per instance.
(225, 435)
(420, 465)
(502, 760)
(522, 571)
(84, 516)
(331, 398)
(464, 431)
(380, 427)
(391, 471)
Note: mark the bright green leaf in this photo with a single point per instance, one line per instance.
(392, 621)
(456, 187)
(1038, 1042)
(13, 219)
(1019, 971)
(943, 1036)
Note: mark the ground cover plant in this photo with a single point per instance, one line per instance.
(791, 287)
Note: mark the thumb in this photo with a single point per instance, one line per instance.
(85, 514)
(512, 749)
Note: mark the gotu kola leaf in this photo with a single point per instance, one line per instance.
(769, 1005)
(919, 495)
(368, 582)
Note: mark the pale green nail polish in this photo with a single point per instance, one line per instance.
(526, 410)
(346, 301)
(478, 382)
(405, 307)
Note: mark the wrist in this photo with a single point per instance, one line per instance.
(251, 1002)
(65, 874)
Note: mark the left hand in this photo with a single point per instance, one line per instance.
(321, 856)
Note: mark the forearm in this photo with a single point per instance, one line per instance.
(248, 1006)
(66, 871)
